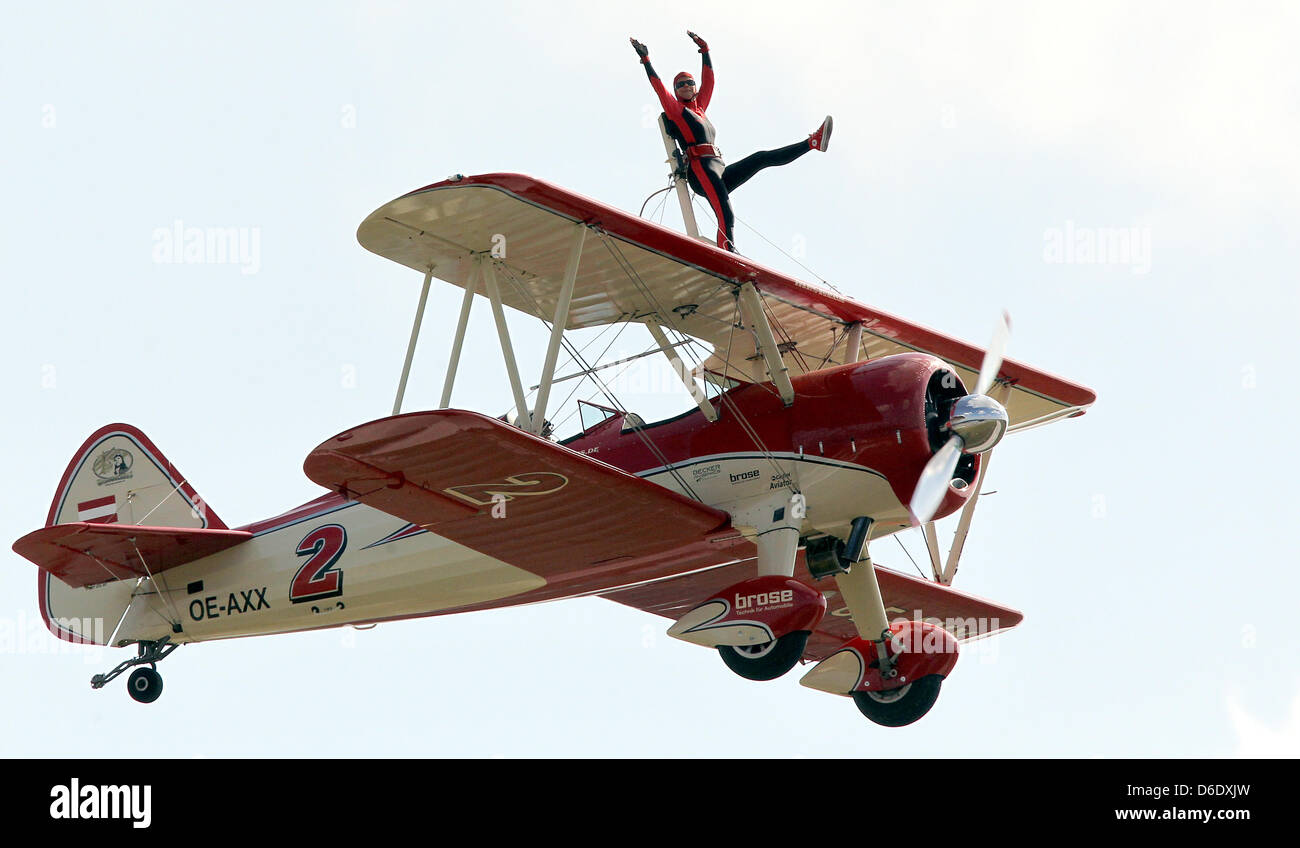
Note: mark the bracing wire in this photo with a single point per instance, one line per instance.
(909, 556)
(609, 395)
(665, 314)
(756, 232)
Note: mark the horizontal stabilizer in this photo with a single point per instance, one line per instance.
(86, 553)
(506, 493)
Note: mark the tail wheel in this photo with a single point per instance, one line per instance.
(767, 661)
(901, 706)
(145, 685)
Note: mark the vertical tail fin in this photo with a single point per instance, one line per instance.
(120, 477)
(117, 476)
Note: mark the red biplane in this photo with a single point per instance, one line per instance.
(820, 425)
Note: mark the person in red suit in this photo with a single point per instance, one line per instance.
(688, 124)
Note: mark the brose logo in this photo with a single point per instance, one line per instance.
(745, 475)
(764, 599)
(94, 801)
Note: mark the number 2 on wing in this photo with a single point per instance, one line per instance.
(318, 578)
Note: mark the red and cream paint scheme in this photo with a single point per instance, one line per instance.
(746, 520)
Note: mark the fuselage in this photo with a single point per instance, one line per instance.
(853, 442)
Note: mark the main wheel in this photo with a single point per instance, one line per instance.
(767, 661)
(145, 685)
(901, 706)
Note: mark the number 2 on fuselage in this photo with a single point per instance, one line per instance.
(318, 578)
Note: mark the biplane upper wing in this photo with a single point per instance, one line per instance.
(88, 553)
(965, 616)
(506, 493)
(631, 269)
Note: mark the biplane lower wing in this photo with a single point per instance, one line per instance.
(965, 616)
(508, 494)
(88, 553)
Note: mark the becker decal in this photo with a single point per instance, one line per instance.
(518, 485)
(113, 465)
(704, 472)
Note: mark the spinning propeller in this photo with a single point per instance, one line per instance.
(977, 423)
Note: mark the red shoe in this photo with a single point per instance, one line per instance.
(821, 139)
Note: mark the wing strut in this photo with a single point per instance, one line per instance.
(853, 342)
(471, 287)
(963, 525)
(557, 329)
(682, 371)
(507, 351)
(410, 347)
(767, 342)
(932, 546)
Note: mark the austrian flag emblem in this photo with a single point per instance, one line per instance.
(98, 511)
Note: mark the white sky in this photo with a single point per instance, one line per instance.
(1145, 541)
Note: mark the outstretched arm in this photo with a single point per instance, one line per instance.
(667, 102)
(705, 94)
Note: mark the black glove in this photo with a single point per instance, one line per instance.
(699, 42)
(641, 49)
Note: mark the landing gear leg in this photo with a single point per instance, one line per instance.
(902, 700)
(144, 684)
(778, 521)
(861, 593)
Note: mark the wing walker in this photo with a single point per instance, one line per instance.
(820, 426)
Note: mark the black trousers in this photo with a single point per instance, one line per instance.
(715, 180)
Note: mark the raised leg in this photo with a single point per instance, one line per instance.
(738, 174)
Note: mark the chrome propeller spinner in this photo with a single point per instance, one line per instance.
(977, 423)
